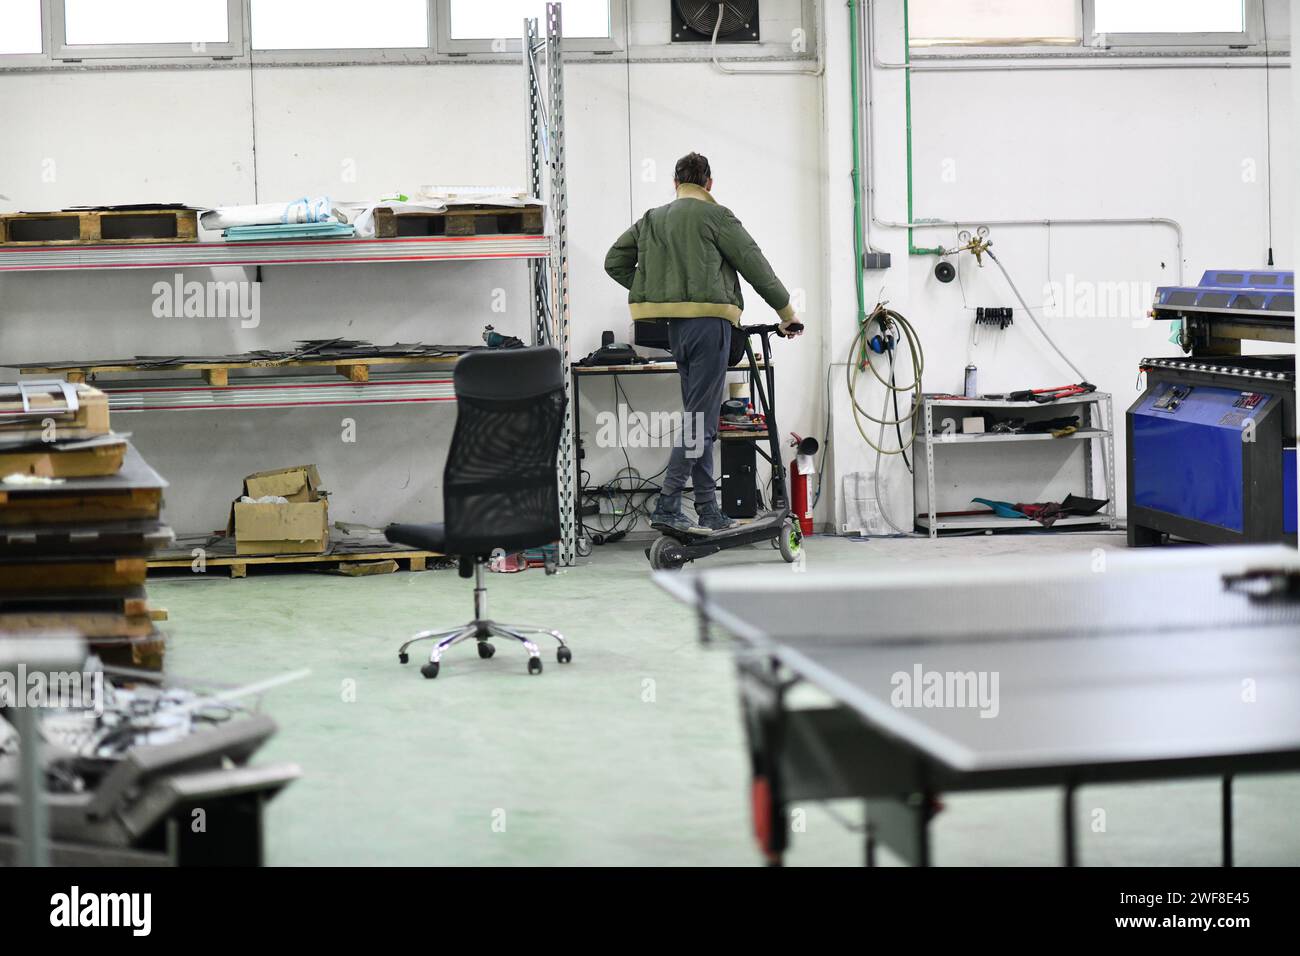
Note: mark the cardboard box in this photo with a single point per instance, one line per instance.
(299, 483)
(299, 527)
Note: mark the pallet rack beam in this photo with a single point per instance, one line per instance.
(250, 394)
(311, 252)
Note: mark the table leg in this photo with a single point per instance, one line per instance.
(923, 829)
(1067, 827)
(763, 705)
(1227, 820)
(902, 823)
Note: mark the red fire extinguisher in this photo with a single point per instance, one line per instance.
(800, 502)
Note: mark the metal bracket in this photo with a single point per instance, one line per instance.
(28, 388)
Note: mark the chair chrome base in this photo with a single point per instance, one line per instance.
(482, 630)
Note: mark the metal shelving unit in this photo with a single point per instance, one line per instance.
(1097, 427)
(546, 255)
(543, 60)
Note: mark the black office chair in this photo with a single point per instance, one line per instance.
(500, 487)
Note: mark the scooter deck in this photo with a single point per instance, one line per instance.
(764, 521)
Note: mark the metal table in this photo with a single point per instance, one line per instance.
(661, 367)
(1101, 667)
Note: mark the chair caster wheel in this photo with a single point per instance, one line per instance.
(564, 655)
(430, 670)
(403, 659)
(485, 650)
(534, 665)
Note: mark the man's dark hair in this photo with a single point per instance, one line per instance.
(693, 168)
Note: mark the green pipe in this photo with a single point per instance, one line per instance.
(855, 97)
(857, 160)
(912, 248)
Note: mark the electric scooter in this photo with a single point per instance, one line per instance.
(673, 548)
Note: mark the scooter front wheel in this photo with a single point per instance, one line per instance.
(790, 541)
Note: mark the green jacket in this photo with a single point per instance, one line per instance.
(680, 261)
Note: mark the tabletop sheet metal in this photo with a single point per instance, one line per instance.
(1097, 658)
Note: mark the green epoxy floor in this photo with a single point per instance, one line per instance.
(631, 755)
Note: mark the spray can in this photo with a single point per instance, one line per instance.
(970, 390)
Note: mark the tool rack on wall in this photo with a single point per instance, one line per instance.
(546, 255)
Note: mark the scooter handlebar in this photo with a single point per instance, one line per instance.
(795, 327)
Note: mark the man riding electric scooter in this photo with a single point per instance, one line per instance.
(680, 262)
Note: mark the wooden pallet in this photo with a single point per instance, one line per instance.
(47, 506)
(148, 653)
(476, 220)
(217, 374)
(347, 562)
(69, 573)
(121, 620)
(99, 227)
(96, 462)
(94, 625)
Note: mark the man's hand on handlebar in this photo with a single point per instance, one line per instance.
(790, 329)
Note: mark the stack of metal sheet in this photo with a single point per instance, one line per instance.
(74, 546)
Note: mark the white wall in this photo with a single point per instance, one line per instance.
(187, 136)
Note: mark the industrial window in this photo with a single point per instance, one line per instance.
(148, 28)
(475, 26)
(340, 24)
(994, 22)
(1160, 16)
(144, 21)
(20, 26)
(1158, 22)
(1098, 23)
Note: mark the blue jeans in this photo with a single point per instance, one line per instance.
(701, 348)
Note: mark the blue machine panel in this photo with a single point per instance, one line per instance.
(1187, 451)
(1248, 278)
(1267, 291)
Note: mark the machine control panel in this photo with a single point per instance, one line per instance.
(1170, 400)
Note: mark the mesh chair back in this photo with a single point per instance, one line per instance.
(500, 485)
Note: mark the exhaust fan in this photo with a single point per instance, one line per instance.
(695, 20)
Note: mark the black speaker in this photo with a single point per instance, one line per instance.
(739, 479)
(651, 334)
